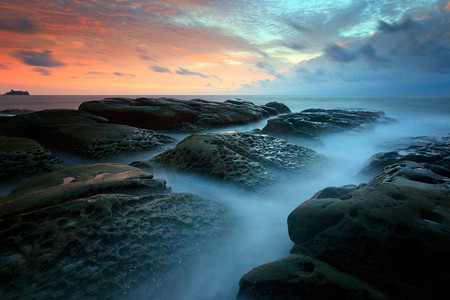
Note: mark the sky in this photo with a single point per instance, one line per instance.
(143, 47)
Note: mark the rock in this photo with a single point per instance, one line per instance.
(173, 114)
(312, 123)
(246, 160)
(279, 107)
(15, 93)
(98, 232)
(16, 111)
(393, 234)
(101, 140)
(22, 158)
(415, 141)
(433, 153)
(68, 184)
(303, 277)
(37, 124)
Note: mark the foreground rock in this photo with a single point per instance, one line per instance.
(392, 234)
(22, 158)
(98, 231)
(311, 123)
(247, 160)
(435, 153)
(180, 115)
(105, 140)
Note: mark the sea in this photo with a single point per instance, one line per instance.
(260, 234)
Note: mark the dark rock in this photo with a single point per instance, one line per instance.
(16, 111)
(22, 158)
(393, 234)
(247, 160)
(303, 277)
(97, 140)
(94, 235)
(433, 153)
(13, 126)
(15, 93)
(415, 141)
(175, 114)
(279, 107)
(312, 123)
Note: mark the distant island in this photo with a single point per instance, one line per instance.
(13, 92)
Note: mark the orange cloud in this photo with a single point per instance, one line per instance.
(447, 7)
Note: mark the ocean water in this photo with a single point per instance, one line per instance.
(260, 234)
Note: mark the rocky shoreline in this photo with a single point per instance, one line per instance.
(105, 229)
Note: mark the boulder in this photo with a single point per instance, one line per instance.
(101, 140)
(402, 143)
(177, 115)
(436, 153)
(244, 159)
(22, 158)
(98, 232)
(302, 277)
(312, 123)
(392, 234)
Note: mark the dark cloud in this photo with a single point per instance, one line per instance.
(209, 85)
(42, 71)
(38, 59)
(160, 69)
(94, 73)
(368, 53)
(264, 65)
(293, 46)
(123, 74)
(295, 25)
(18, 25)
(182, 71)
(4, 67)
(339, 54)
(146, 57)
(407, 24)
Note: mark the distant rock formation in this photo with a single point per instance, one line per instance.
(13, 92)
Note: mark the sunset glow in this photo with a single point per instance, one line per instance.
(222, 47)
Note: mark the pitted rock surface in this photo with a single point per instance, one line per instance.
(22, 158)
(312, 123)
(92, 243)
(433, 153)
(393, 234)
(105, 140)
(179, 115)
(247, 160)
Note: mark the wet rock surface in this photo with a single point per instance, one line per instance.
(105, 140)
(247, 160)
(312, 123)
(179, 115)
(392, 233)
(22, 158)
(98, 231)
(436, 153)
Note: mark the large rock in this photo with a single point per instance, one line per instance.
(105, 140)
(436, 153)
(247, 160)
(99, 231)
(37, 124)
(22, 158)
(303, 277)
(393, 234)
(312, 123)
(180, 115)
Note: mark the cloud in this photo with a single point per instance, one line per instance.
(293, 46)
(160, 69)
(146, 57)
(396, 27)
(368, 53)
(18, 25)
(182, 71)
(94, 73)
(4, 67)
(123, 74)
(339, 54)
(38, 59)
(42, 71)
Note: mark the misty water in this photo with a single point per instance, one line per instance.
(259, 234)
